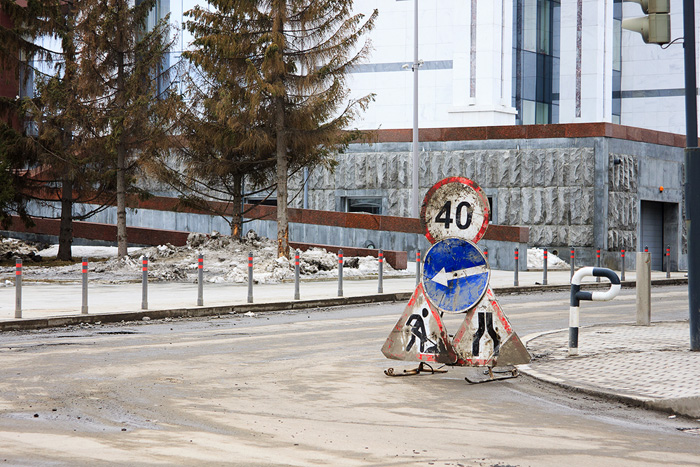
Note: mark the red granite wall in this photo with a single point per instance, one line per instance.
(562, 130)
(104, 232)
(504, 233)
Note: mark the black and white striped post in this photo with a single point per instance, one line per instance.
(144, 282)
(296, 275)
(668, 261)
(200, 279)
(577, 295)
(380, 284)
(18, 287)
(84, 273)
(250, 277)
(340, 273)
(515, 270)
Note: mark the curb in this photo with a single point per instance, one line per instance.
(672, 406)
(592, 285)
(193, 312)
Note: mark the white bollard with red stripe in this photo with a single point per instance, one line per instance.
(340, 273)
(18, 287)
(380, 285)
(144, 282)
(250, 277)
(296, 275)
(200, 279)
(84, 273)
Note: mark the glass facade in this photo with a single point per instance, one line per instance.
(536, 30)
(617, 62)
(164, 73)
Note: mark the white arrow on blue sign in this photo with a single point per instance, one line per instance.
(455, 275)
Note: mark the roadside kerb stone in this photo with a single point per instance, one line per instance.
(184, 312)
(646, 366)
(72, 320)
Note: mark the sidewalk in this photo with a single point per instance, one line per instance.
(647, 366)
(42, 300)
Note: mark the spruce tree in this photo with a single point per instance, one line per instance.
(27, 21)
(208, 161)
(120, 63)
(54, 130)
(71, 126)
(46, 146)
(289, 60)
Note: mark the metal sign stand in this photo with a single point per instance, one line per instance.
(455, 279)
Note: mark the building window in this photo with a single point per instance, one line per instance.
(364, 204)
(536, 61)
(261, 201)
(493, 218)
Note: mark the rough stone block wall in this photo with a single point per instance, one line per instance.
(550, 190)
(684, 226)
(623, 215)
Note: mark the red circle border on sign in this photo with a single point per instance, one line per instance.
(464, 181)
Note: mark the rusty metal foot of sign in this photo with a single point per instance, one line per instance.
(416, 371)
(495, 375)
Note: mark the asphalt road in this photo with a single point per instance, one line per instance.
(307, 388)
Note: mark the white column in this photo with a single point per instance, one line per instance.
(490, 103)
(586, 61)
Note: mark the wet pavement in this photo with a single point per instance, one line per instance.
(650, 366)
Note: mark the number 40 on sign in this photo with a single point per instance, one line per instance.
(455, 207)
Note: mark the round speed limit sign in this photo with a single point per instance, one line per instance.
(455, 207)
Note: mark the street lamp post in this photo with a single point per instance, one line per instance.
(692, 174)
(415, 161)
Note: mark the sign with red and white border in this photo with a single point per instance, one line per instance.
(455, 207)
(419, 334)
(486, 337)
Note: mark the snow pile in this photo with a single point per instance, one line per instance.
(225, 261)
(11, 248)
(535, 260)
(85, 251)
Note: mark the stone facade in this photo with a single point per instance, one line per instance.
(588, 186)
(581, 192)
(623, 213)
(550, 190)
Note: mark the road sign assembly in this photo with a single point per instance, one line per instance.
(455, 279)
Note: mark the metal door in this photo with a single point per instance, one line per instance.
(653, 232)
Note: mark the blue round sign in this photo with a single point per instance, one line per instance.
(455, 275)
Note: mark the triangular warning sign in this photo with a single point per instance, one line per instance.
(486, 337)
(419, 335)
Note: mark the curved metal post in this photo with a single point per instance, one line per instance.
(577, 295)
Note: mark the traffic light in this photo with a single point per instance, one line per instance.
(654, 28)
